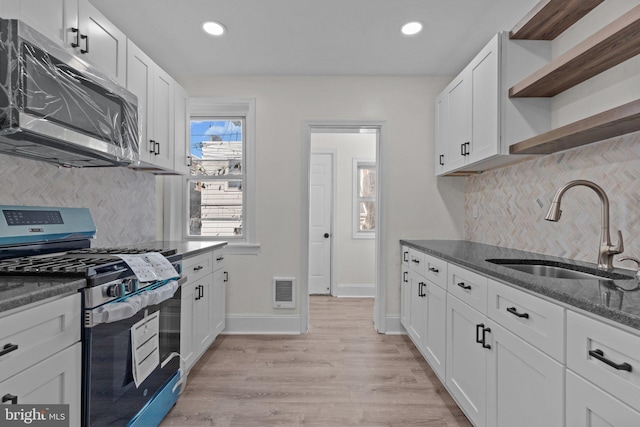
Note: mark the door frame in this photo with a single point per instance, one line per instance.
(308, 126)
(334, 213)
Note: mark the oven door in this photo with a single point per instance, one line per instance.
(111, 396)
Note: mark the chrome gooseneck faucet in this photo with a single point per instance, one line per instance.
(606, 251)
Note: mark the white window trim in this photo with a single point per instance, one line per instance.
(246, 107)
(356, 233)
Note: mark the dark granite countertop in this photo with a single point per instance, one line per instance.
(624, 304)
(18, 291)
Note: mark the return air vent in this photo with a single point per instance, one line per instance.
(284, 292)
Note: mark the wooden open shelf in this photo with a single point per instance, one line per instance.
(617, 121)
(615, 43)
(550, 18)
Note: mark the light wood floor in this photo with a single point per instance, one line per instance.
(341, 373)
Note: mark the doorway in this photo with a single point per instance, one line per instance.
(354, 220)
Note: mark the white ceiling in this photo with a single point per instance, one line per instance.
(312, 37)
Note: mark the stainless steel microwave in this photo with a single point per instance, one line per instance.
(56, 107)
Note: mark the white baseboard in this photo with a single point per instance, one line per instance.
(393, 326)
(277, 324)
(355, 291)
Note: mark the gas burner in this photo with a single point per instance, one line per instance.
(124, 251)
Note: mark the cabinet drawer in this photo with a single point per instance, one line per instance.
(37, 333)
(416, 261)
(468, 286)
(593, 346)
(435, 269)
(533, 319)
(218, 259)
(198, 266)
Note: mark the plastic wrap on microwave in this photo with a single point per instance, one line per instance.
(56, 107)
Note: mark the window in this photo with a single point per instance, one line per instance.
(364, 190)
(220, 185)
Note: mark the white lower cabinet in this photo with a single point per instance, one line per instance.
(42, 355)
(203, 305)
(405, 297)
(435, 337)
(590, 406)
(525, 387)
(466, 361)
(417, 309)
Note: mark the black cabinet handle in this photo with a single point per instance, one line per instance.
(466, 150)
(433, 269)
(189, 161)
(462, 149)
(220, 258)
(76, 31)
(513, 311)
(153, 146)
(201, 291)
(482, 339)
(86, 43)
(226, 276)
(599, 354)
(158, 150)
(421, 290)
(404, 276)
(10, 397)
(441, 161)
(405, 256)
(198, 268)
(417, 261)
(464, 286)
(8, 348)
(420, 293)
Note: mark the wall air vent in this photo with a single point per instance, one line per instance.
(284, 292)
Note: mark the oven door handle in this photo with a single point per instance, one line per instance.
(113, 312)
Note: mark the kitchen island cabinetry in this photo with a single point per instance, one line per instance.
(203, 305)
(42, 355)
(77, 26)
(476, 121)
(155, 91)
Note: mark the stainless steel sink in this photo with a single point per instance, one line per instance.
(558, 270)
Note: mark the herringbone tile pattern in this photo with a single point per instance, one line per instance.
(122, 201)
(508, 201)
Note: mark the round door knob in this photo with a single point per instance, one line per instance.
(326, 235)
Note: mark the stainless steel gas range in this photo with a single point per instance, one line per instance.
(130, 306)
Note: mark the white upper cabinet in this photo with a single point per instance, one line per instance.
(101, 43)
(77, 26)
(155, 91)
(476, 121)
(182, 156)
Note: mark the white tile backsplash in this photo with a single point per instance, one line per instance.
(508, 201)
(122, 201)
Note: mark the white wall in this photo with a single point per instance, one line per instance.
(417, 204)
(354, 259)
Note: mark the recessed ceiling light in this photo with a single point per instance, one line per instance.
(213, 28)
(411, 28)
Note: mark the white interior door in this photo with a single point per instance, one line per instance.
(320, 209)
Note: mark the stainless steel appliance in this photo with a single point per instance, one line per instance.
(115, 305)
(57, 108)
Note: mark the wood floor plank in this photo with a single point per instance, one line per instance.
(341, 373)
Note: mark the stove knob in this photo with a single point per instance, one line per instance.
(130, 286)
(115, 291)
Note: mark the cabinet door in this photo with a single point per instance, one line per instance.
(525, 387)
(55, 380)
(187, 321)
(182, 155)
(589, 406)
(105, 45)
(163, 119)
(466, 359)
(140, 83)
(218, 303)
(485, 139)
(417, 310)
(203, 320)
(405, 297)
(442, 134)
(435, 341)
(459, 102)
(53, 18)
